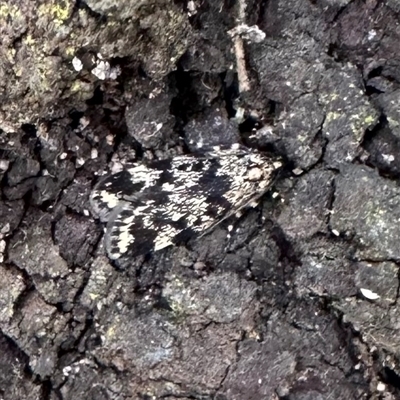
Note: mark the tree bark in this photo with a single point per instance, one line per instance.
(300, 302)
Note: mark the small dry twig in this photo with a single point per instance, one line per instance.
(240, 32)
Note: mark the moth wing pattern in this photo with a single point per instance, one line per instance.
(123, 185)
(150, 207)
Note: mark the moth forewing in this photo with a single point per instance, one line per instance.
(150, 207)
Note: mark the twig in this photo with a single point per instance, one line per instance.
(251, 33)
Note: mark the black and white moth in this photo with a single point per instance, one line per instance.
(151, 206)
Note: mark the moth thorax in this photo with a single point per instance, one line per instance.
(255, 174)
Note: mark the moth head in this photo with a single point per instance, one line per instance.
(261, 172)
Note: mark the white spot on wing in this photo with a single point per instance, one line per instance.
(110, 199)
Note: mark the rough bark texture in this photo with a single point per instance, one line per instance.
(302, 302)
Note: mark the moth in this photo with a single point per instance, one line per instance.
(148, 207)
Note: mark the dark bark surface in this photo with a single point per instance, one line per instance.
(301, 302)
